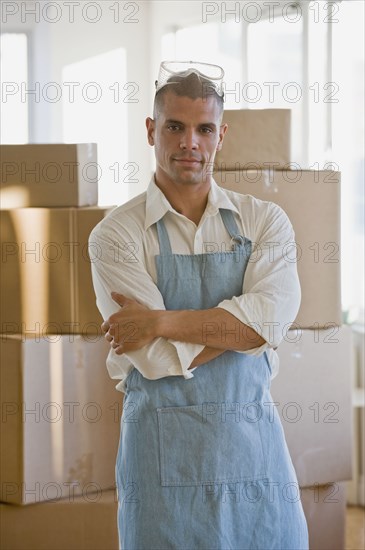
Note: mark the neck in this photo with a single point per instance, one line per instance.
(190, 200)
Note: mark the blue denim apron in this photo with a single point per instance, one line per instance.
(203, 463)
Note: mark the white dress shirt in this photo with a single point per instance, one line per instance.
(123, 247)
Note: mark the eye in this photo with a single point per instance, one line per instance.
(206, 130)
(173, 127)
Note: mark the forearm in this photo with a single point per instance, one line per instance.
(214, 328)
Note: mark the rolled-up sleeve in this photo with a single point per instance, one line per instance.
(271, 293)
(117, 265)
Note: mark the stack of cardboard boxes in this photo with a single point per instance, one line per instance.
(60, 412)
(313, 388)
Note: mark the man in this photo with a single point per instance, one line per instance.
(195, 299)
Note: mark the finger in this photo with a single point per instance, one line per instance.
(114, 330)
(122, 300)
(108, 337)
(119, 298)
(124, 347)
(105, 326)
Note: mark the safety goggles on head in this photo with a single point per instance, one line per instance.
(207, 71)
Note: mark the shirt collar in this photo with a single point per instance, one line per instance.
(157, 204)
(218, 198)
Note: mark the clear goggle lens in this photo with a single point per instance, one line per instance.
(169, 69)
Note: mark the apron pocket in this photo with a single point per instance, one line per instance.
(210, 443)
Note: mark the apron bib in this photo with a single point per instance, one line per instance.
(203, 463)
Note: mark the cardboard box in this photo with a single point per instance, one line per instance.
(49, 175)
(311, 199)
(72, 524)
(260, 137)
(46, 284)
(325, 511)
(314, 399)
(60, 418)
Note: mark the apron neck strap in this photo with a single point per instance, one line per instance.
(229, 222)
(163, 238)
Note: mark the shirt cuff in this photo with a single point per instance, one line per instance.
(186, 353)
(270, 332)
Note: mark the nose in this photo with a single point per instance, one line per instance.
(189, 140)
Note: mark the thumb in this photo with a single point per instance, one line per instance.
(120, 298)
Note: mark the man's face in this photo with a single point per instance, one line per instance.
(186, 135)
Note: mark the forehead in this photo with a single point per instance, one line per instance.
(185, 109)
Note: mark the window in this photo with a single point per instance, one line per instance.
(348, 148)
(14, 77)
(275, 72)
(95, 110)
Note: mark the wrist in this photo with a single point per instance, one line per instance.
(160, 323)
(165, 322)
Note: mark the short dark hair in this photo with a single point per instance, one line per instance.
(189, 85)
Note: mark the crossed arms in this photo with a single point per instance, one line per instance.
(134, 326)
(159, 342)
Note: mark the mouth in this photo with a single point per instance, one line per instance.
(187, 161)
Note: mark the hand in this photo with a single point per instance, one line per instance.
(130, 328)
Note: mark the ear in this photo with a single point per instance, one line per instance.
(150, 125)
(222, 130)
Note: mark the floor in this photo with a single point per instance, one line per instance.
(355, 528)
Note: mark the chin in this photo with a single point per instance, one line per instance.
(192, 180)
